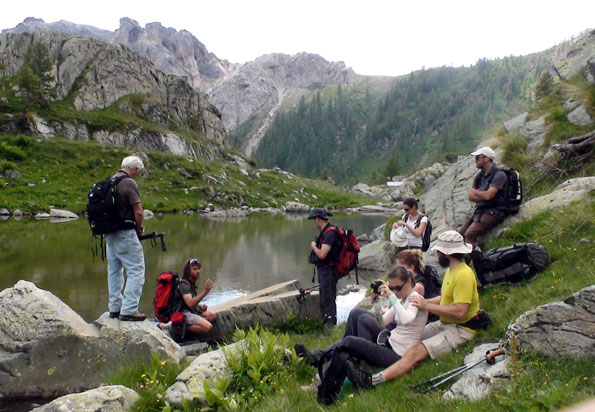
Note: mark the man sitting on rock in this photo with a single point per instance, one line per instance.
(458, 307)
(198, 319)
(487, 193)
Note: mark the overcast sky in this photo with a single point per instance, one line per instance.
(373, 37)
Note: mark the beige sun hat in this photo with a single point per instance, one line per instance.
(398, 237)
(451, 242)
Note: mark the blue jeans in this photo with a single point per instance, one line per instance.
(124, 250)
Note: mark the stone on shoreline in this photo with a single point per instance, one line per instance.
(62, 214)
(116, 398)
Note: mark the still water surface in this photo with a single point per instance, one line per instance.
(240, 256)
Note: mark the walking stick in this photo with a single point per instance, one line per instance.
(448, 375)
(153, 236)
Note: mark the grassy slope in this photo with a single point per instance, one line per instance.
(71, 168)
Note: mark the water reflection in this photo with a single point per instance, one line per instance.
(241, 256)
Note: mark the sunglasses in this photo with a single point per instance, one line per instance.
(396, 288)
(194, 261)
(479, 157)
(406, 209)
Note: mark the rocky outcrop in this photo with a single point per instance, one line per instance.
(116, 398)
(104, 75)
(62, 214)
(478, 382)
(376, 256)
(445, 201)
(48, 350)
(580, 116)
(559, 328)
(567, 192)
(575, 56)
(257, 89)
(172, 52)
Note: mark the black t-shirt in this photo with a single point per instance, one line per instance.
(331, 238)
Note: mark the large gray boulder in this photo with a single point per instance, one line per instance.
(477, 382)
(116, 398)
(513, 124)
(571, 190)
(580, 116)
(48, 350)
(559, 328)
(376, 256)
(296, 207)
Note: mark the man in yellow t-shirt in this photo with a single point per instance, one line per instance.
(458, 303)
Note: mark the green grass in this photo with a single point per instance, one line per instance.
(64, 171)
(149, 379)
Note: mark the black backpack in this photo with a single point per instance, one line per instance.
(512, 196)
(102, 212)
(510, 264)
(425, 237)
(432, 282)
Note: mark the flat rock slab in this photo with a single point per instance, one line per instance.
(266, 307)
(376, 256)
(115, 398)
(477, 382)
(559, 328)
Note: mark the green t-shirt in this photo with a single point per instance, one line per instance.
(460, 286)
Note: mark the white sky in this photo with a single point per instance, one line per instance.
(373, 37)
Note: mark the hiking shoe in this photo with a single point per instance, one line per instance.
(361, 380)
(382, 338)
(135, 317)
(313, 358)
(114, 315)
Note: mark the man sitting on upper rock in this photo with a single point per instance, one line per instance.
(458, 308)
(487, 193)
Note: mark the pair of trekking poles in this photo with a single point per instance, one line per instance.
(426, 386)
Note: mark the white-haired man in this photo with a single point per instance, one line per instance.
(124, 250)
(458, 308)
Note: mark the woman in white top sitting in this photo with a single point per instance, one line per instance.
(414, 224)
(410, 325)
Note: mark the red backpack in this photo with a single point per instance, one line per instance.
(166, 302)
(348, 257)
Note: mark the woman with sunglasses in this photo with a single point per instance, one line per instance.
(410, 325)
(414, 224)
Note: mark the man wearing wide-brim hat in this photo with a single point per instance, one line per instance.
(326, 249)
(457, 307)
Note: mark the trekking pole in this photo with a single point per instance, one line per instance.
(304, 292)
(153, 236)
(448, 375)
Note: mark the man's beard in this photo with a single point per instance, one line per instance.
(443, 260)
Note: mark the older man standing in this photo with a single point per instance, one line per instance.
(124, 249)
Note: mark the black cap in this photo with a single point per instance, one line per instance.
(321, 213)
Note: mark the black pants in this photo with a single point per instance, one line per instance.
(360, 348)
(328, 278)
(362, 323)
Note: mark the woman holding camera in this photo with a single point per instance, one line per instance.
(410, 324)
(414, 224)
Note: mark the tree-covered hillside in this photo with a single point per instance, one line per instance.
(354, 135)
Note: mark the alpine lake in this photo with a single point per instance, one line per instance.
(240, 256)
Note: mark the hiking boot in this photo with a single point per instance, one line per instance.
(135, 317)
(326, 395)
(313, 358)
(361, 380)
(114, 315)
